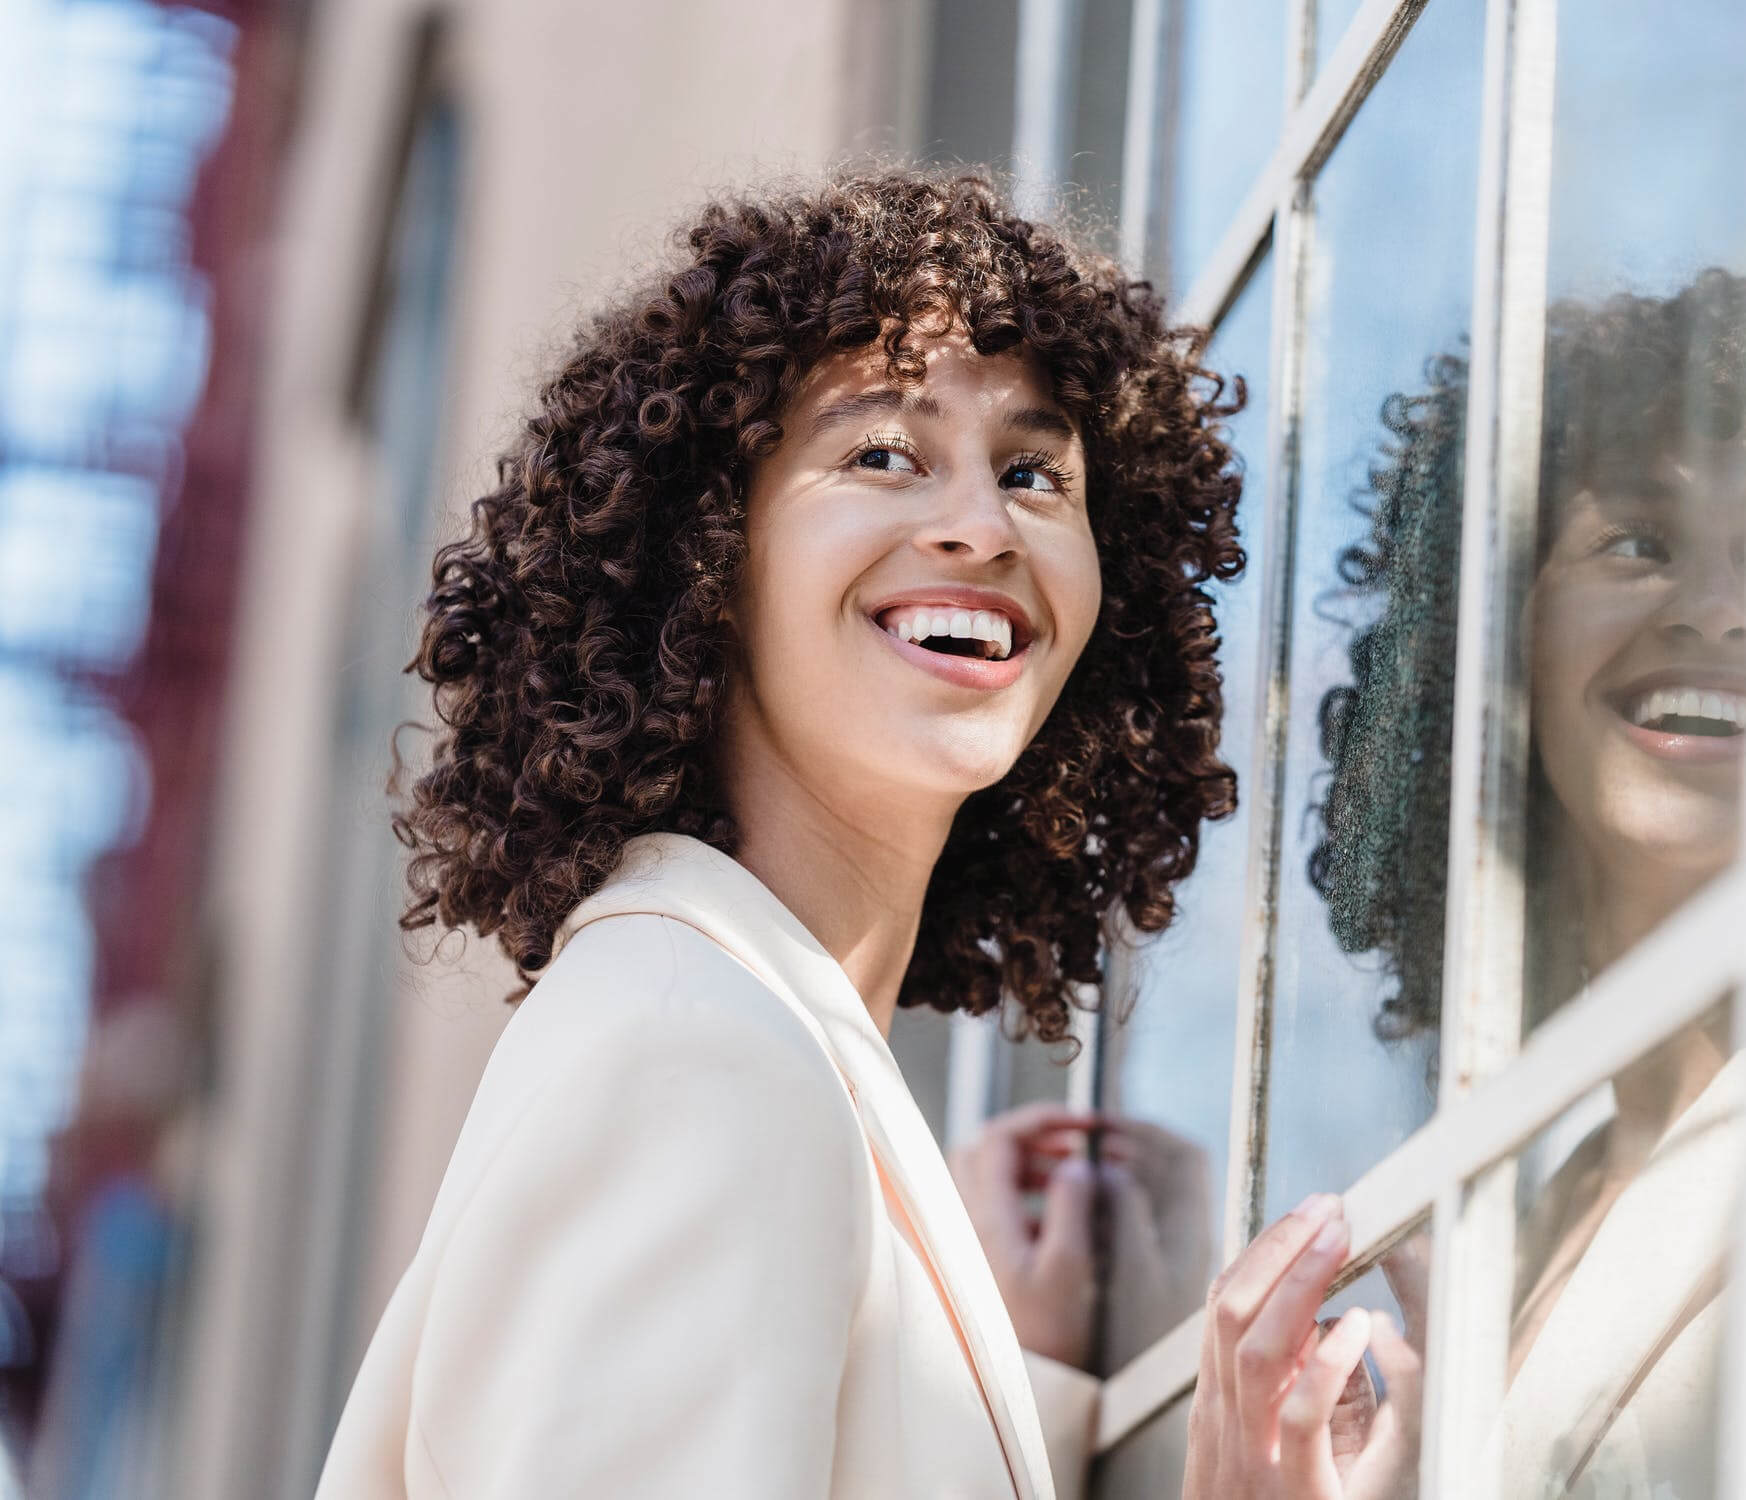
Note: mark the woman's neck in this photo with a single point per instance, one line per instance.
(1654, 1091)
(853, 869)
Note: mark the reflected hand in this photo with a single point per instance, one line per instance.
(1283, 1408)
(1160, 1232)
(1044, 1265)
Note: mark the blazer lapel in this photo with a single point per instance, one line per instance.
(1661, 1242)
(684, 878)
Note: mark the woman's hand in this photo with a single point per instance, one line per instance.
(1044, 1265)
(1283, 1410)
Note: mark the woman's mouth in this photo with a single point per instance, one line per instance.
(971, 648)
(980, 634)
(1686, 723)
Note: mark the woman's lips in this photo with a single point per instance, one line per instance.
(963, 671)
(1686, 749)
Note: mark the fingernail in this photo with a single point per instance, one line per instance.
(1316, 1207)
(1332, 1236)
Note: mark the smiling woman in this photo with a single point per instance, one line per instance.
(836, 638)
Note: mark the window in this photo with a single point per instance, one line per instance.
(1465, 953)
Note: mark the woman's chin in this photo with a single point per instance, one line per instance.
(935, 771)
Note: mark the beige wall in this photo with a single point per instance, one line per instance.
(589, 126)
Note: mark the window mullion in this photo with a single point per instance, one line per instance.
(1474, 1227)
(1245, 1181)
(1314, 123)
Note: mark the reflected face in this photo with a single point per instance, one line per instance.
(921, 574)
(1638, 621)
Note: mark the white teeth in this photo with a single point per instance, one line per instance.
(963, 624)
(1690, 703)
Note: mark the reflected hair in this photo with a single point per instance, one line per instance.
(575, 635)
(1626, 380)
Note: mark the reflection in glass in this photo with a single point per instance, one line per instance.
(1636, 622)
(1626, 1205)
(1637, 615)
(1365, 789)
(1636, 649)
(1175, 1050)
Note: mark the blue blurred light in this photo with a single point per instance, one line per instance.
(107, 110)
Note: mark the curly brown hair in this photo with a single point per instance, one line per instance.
(575, 635)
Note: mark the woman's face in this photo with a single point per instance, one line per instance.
(921, 576)
(1638, 641)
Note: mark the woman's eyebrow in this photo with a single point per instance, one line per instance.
(1046, 421)
(867, 404)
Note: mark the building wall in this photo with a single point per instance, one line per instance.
(587, 129)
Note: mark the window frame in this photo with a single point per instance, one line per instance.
(1496, 1092)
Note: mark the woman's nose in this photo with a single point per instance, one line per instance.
(973, 519)
(1710, 601)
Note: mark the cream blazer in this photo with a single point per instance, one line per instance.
(1618, 1399)
(666, 1258)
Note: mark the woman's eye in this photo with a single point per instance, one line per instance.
(1637, 546)
(887, 460)
(1028, 477)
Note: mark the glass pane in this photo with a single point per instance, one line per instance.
(1365, 810)
(1637, 612)
(1374, 1453)
(1614, 1391)
(1174, 1068)
(1222, 91)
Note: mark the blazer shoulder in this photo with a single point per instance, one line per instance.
(632, 982)
(643, 1005)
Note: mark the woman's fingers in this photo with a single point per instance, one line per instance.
(1403, 1370)
(1064, 1237)
(1388, 1467)
(1238, 1295)
(1408, 1270)
(1267, 1351)
(1306, 1461)
(1028, 1120)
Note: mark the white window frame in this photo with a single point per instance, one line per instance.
(1495, 1093)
